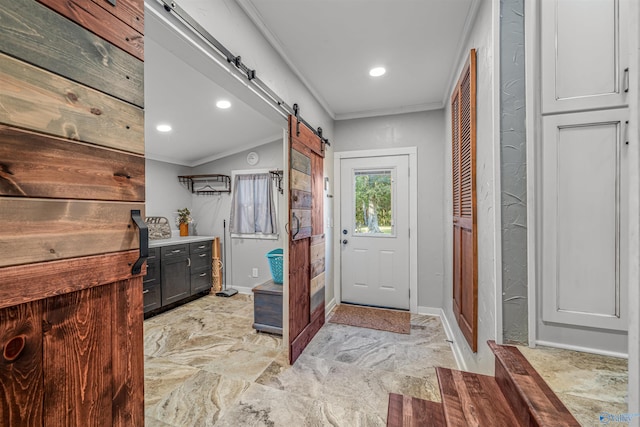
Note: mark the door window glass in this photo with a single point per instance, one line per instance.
(373, 202)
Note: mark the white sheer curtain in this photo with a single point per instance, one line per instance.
(253, 209)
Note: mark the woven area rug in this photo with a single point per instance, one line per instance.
(373, 318)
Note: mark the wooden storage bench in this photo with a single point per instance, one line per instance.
(267, 308)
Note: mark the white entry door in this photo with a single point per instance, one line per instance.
(374, 235)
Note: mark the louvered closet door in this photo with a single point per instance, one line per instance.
(306, 242)
(465, 261)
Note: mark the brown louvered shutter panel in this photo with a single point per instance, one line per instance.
(465, 260)
(455, 121)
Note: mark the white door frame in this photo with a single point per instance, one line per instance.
(412, 152)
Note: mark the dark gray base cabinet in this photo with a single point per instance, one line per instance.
(176, 272)
(151, 282)
(267, 308)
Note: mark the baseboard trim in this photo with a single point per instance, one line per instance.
(582, 349)
(457, 353)
(242, 289)
(328, 307)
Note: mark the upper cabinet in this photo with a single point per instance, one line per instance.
(584, 57)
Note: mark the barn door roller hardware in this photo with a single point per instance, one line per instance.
(259, 86)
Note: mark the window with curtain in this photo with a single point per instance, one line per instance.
(253, 207)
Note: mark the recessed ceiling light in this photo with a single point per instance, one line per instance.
(377, 72)
(163, 128)
(223, 103)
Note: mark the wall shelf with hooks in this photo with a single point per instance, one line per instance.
(277, 175)
(207, 185)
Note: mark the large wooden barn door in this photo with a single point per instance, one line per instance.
(306, 243)
(465, 258)
(71, 195)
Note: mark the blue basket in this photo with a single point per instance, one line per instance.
(275, 263)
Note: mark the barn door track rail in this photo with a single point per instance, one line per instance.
(236, 60)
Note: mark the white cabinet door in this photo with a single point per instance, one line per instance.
(584, 54)
(584, 247)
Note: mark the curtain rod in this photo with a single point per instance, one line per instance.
(267, 94)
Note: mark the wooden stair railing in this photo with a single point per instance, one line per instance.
(516, 396)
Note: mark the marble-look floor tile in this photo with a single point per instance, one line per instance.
(305, 378)
(198, 401)
(241, 362)
(265, 406)
(588, 411)
(161, 376)
(359, 389)
(153, 422)
(325, 414)
(581, 374)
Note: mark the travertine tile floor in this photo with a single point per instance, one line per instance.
(205, 366)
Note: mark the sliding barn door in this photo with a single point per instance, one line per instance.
(465, 259)
(306, 242)
(71, 192)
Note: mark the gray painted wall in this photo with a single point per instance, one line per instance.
(164, 194)
(423, 130)
(513, 172)
(242, 255)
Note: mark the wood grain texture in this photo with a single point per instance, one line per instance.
(131, 12)
(93, 17)
(300, 181)
(305, 136)
(300, 199)
(37, 34)
(303, 218)
(17, 284)
(77, 358)
(408, 411)
(127, 353)
(21, 390)
(473, 400)
(32, 165)
(317, 191)
(529, 395)
(299, 296)
(36, 230)
(300, 162)
(306, 335)
(34, 99)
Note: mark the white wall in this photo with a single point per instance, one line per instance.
(483, 39)
(164, 193)
(423, 130)
(209, 211)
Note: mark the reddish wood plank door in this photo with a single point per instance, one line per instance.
(465, 259)
(306, 242)
(71, 174)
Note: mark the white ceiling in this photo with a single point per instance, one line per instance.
(334, 43)
(330, 44)
(177, 94)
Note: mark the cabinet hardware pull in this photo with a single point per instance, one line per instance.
(626, 80)
(189, 262)
(201, 255)
(144, 241)
(626, 132)
(175, 251)
(146, 291)
(203, 274)
(201, 247)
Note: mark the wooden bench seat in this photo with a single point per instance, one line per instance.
(407, 411)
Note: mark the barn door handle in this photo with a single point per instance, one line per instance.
(293, 216)
(144, 241)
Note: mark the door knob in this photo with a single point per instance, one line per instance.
(344, 242)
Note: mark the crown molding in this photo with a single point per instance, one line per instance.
(390, 111)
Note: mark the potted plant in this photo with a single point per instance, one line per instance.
(184, 218)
